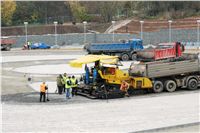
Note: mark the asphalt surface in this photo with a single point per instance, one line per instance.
(15, 89)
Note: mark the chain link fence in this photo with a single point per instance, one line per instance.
(161, 34)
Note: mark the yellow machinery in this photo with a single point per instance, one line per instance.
(140, 83)
(113, 75)
(109, 78)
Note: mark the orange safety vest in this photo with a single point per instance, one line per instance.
(124, 87)
(42, 88)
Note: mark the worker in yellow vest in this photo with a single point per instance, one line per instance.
(29, 45)
(74, 82)
(68, 87)
(43, 89)
(64, 79)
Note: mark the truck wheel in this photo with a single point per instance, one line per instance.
(8, 48)
(134, 56)
(170, 85)
(125, 57)
(158, 86)
(192, 84)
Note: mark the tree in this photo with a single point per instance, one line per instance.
(109, 10)
(78, 11)
(24, 12)
(7, 10)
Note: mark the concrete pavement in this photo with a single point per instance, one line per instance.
(121, 115)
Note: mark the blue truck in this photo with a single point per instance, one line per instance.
(126, 50)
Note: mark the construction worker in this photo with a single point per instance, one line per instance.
(60, 83)
(43, 89)
(64, 79)
(94, 74)
(74, 85)
(68, 87)
(87, 75)
(124, 87)
(29, 45)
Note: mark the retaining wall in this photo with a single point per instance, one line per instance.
(187, 35)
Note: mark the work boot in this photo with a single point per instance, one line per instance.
(127, 95)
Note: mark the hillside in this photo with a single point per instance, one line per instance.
(155, 25)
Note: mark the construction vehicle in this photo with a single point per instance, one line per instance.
(105, 84)
(7, 43)
(125, 50)
(162, 51)
(151, 76)
(168, 75)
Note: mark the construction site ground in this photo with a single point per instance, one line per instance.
(22, 111)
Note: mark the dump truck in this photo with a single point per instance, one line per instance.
(145, 76)
(162, 51)
(125, 50)
(167, 75)
(7, 43)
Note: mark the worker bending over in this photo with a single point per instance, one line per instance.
(124, 87)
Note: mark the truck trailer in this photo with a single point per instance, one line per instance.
(7, 43)
(125, 50)
(168, 75)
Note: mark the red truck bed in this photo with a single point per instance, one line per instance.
(163, 51)
(172, 52)
(6, 44)
(8, 41)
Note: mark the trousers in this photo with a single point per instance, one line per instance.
(42, 94)
(68, 92)
(60, 89)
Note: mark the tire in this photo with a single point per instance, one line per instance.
(134, 56)
(170, 85)
(158, 86)
(192, 84)
(8, 48)
(124, 57)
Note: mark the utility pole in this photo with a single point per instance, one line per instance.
(55, 24)
(170, 31)
(113, 23)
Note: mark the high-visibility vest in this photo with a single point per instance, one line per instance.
(73, 80)
(65, 79)
(66, 85)
(42, 88)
